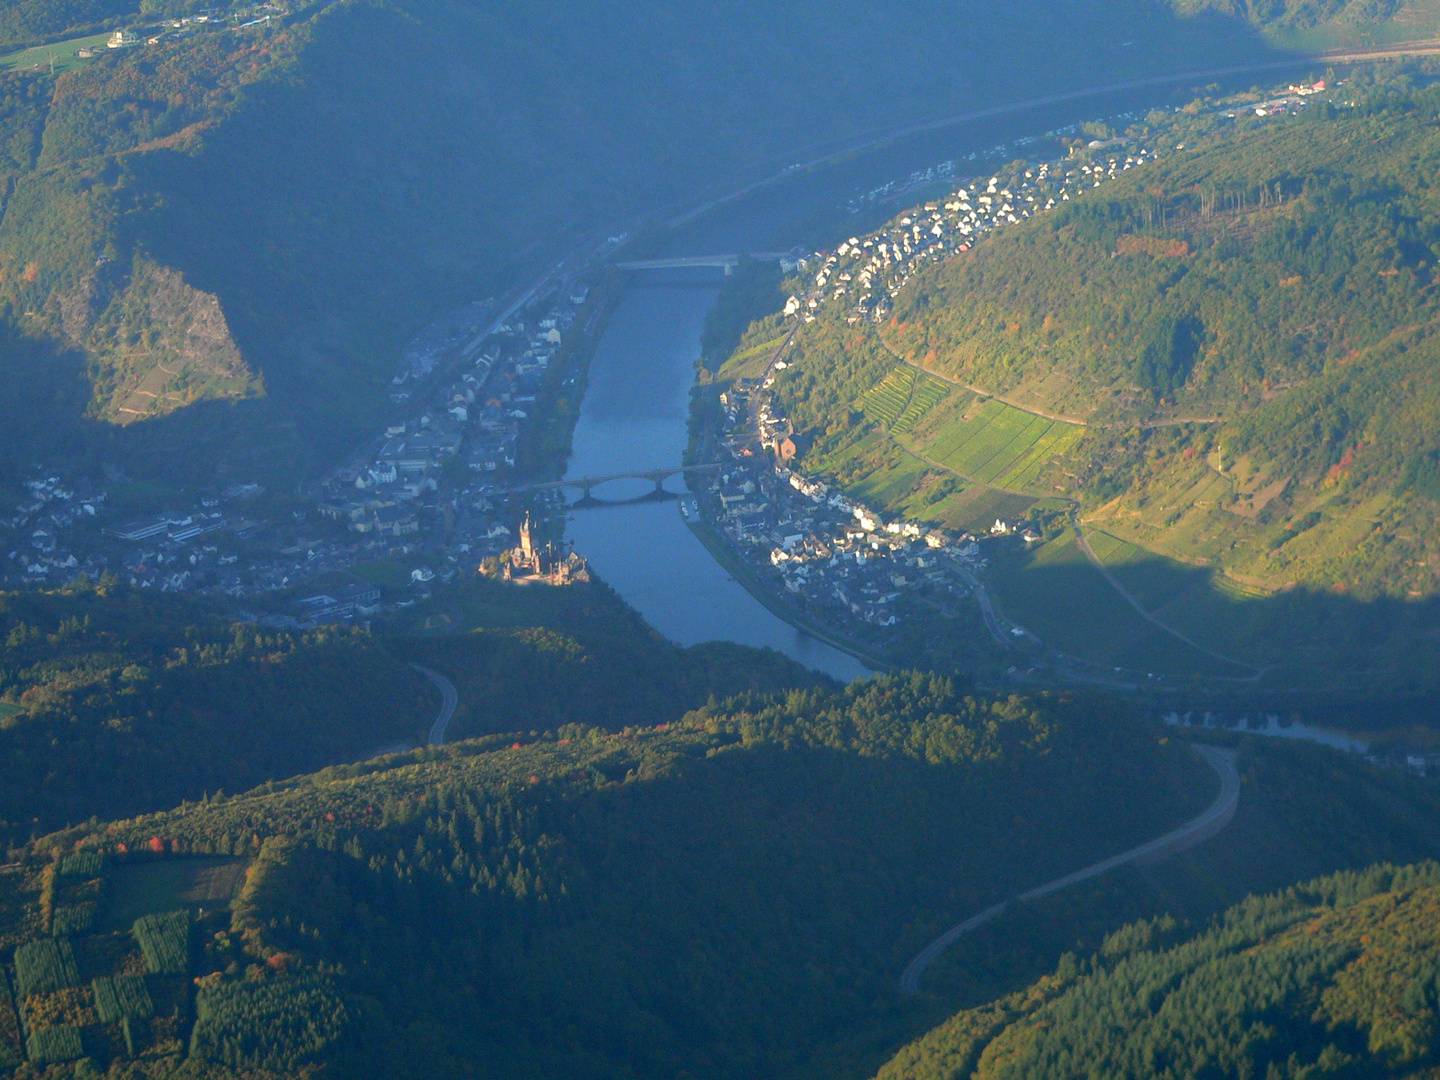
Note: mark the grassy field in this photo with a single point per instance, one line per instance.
(1000, 445)
(64, 53)
(167, 885)
(749, 363)
(1056, 593)
(8, 709)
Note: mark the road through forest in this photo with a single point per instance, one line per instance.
(1215, 818)
(448, 700)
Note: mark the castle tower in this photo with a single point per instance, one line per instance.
(527, 549)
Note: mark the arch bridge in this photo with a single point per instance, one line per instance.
(584, 484)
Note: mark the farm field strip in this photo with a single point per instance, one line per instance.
(1019, 445)
(973, 452)
(1059, 441)
(955, 436)
(978, 458)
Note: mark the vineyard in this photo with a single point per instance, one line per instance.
(884, 402)
(1003, 446)
(902, 398)
(927, 393)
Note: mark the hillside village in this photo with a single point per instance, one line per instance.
(830, 555)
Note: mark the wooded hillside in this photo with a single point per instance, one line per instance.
(1333, 978)
(718, 898)
(1246, 330)
(275, 209)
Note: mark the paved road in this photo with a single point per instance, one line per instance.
(1215, 818)
(448, 700)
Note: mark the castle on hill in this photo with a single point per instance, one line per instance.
(549, 563)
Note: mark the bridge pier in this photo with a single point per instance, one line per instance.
(729, 269)
(659, 485)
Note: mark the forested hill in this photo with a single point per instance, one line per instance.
(116, 701)
(1280, 279)
(1335, 978)
(259, 216)
(1221, 365)
(727, 896)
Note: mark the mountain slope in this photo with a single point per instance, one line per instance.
(1238, 342)
(723, 897)
(1333, 978)
(330, 179)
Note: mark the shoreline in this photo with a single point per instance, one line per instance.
(777, 607)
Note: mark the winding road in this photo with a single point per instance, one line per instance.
(448, 700)
(1215, 818)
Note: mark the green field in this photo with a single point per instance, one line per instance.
(64, 53)
(9, 709)
(1056, 593)
(749, 363)
(1001, 445)
(166, 885)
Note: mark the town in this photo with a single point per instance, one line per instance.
(425, 502)
(832, 557)
(433, 496)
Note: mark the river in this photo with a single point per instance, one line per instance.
(635, 410)
(634, 417)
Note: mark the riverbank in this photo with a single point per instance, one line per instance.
(773, 603)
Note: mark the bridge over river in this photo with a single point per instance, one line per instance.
(584, 484)
(726, 262)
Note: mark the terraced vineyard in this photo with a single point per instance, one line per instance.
(884, 402)
(1002, 446)
(927, 393)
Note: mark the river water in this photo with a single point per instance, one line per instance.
(633, 418)
(635, 410)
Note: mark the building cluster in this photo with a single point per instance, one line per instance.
(867, 273)
(42, 524)
(429, 494)
(438, 463)
(838, 558)
(59, 533)
(179, 27)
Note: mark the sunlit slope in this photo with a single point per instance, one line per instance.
(1333, 978)
(1224, 362)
